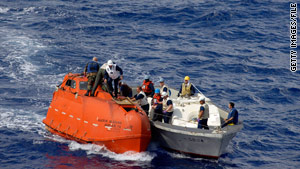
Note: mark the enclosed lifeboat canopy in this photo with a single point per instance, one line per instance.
(118, 125)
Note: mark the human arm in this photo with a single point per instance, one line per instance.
(201, 112)
(152, 89)
(153, 103)
(85, 69)
(193, 91)
(160, 101)
(231, 116)
(179, 91)
(165, 89)
(119, 69)
(138, 97)
(121, 72)
(170, 106)
(228, 120)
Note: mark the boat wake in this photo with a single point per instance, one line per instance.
(101, 150)
(93, 149)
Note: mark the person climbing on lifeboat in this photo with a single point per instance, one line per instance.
(113, 74)
(90, 71)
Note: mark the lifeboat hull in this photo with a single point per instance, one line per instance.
(117, 146)
(119, 126)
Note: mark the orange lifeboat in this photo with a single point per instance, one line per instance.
(118, 125)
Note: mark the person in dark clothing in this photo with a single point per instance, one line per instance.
(125, 90)
(233, 116)
(90, 71)
(148, 86)
(157, 106)
(99, 81)
(168, 107)
(203, 114)
(113, 74)
(142, 99)
(158, 112)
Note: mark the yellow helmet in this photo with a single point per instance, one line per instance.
(187, 78)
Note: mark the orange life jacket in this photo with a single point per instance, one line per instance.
(146, 87)
(156, 98)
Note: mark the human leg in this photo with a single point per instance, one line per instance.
(146, 109)
(167, 117)
(204, 124)
(109, 85)
(158, 113)
(91, 80)
(116, 84)
(199, 124)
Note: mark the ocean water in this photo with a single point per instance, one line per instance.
(233, 50)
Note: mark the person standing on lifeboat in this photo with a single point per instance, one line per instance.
(148, 86)
(99, 80)
(90, 71)
(142, 99)
(113, 74)
(186, 88)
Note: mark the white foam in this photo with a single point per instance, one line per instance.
(178, 155)
(39, 142)
(29, 9)
(184, 156)
(101, 150)
(22, 67)
(56, 138)
(20, 49)
(22, 120)
(4, 10)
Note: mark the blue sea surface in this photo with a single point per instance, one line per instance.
(233, 50)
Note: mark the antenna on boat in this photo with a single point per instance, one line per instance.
(197, 89)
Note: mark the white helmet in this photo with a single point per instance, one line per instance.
(164, 94)
(161, 80)
(110, 62)
(202, 98)
(147, 77)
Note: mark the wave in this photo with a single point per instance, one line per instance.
(19, 50)
(25, 61)
(21, 120)
(93, 149)
(3, 10)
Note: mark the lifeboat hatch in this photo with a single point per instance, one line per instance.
(71, 83)
(129, 108)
